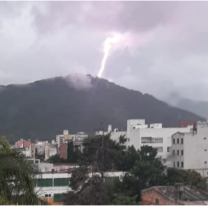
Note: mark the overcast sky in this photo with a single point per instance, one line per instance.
(163, 48)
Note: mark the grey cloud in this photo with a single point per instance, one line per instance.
(119, 16)
(166, 50)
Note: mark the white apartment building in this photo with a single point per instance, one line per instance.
(139, 134)
(190, 150)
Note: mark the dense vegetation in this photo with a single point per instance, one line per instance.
(143, 169)
(16, 177)
(45, 108)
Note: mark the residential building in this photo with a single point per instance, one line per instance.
(64, 138)
(190, 150)
(78, 140)
(62, 150)
(50, 150)
(25, 147)
(173, 195)
(155, 135)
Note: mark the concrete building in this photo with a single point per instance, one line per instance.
(64, 138)
(26, 147)
(50, 150)
(173, 195)
(62, 150)
(51, 186)
(155, 135)
(190, 150)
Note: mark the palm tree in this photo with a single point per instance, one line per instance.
(17, 177)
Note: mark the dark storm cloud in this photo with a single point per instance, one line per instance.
(163, 50)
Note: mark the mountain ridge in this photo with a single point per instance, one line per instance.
(45, 108)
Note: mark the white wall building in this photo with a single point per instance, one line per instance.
(139, 134)
(54, 185)
(50, 150)
(190, 150)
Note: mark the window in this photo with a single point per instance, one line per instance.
(173, 152)
(174, 164)
(61, 181)
(181, 140)
(49, 195)
(159, 149)
(44, 182)
(58, 197)
(177, 152)
(205, 138)
(177, 164)
(173, 141)
(46, 195)
(205, 162)
(168, 149)
(181, 164)
(147, 140)
(158, 140)
(157, 201)
(205, 150)
(177, 141)
(128, 139)
(181, 152)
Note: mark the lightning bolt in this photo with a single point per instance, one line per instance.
(107, 46)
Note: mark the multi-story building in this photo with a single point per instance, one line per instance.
(26, 147)
(50, 150)
(189, 150)
(155, 135)
(54, 180)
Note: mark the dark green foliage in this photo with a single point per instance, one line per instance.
(56, 159)
(15, 169)
(187, 177)
(143, 169)
(87, 191)
(125, 159)
(45, 108)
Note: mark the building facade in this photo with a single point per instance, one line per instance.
(190, 150)
(155, 135)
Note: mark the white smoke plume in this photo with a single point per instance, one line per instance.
(79, 81)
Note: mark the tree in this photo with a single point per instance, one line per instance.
(16, 177)
(87, 191)
(187, 177)
(56, 159)
(125, 159)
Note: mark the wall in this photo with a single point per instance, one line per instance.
(149, 198)
(116, 135)
(63, 150)
(135, 136)
(51, 190)
(195, 151)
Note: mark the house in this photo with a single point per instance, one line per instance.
(173, 195)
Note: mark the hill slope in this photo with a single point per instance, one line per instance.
(198, 107)
(44, 108)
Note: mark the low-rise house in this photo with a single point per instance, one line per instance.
(173, 195)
